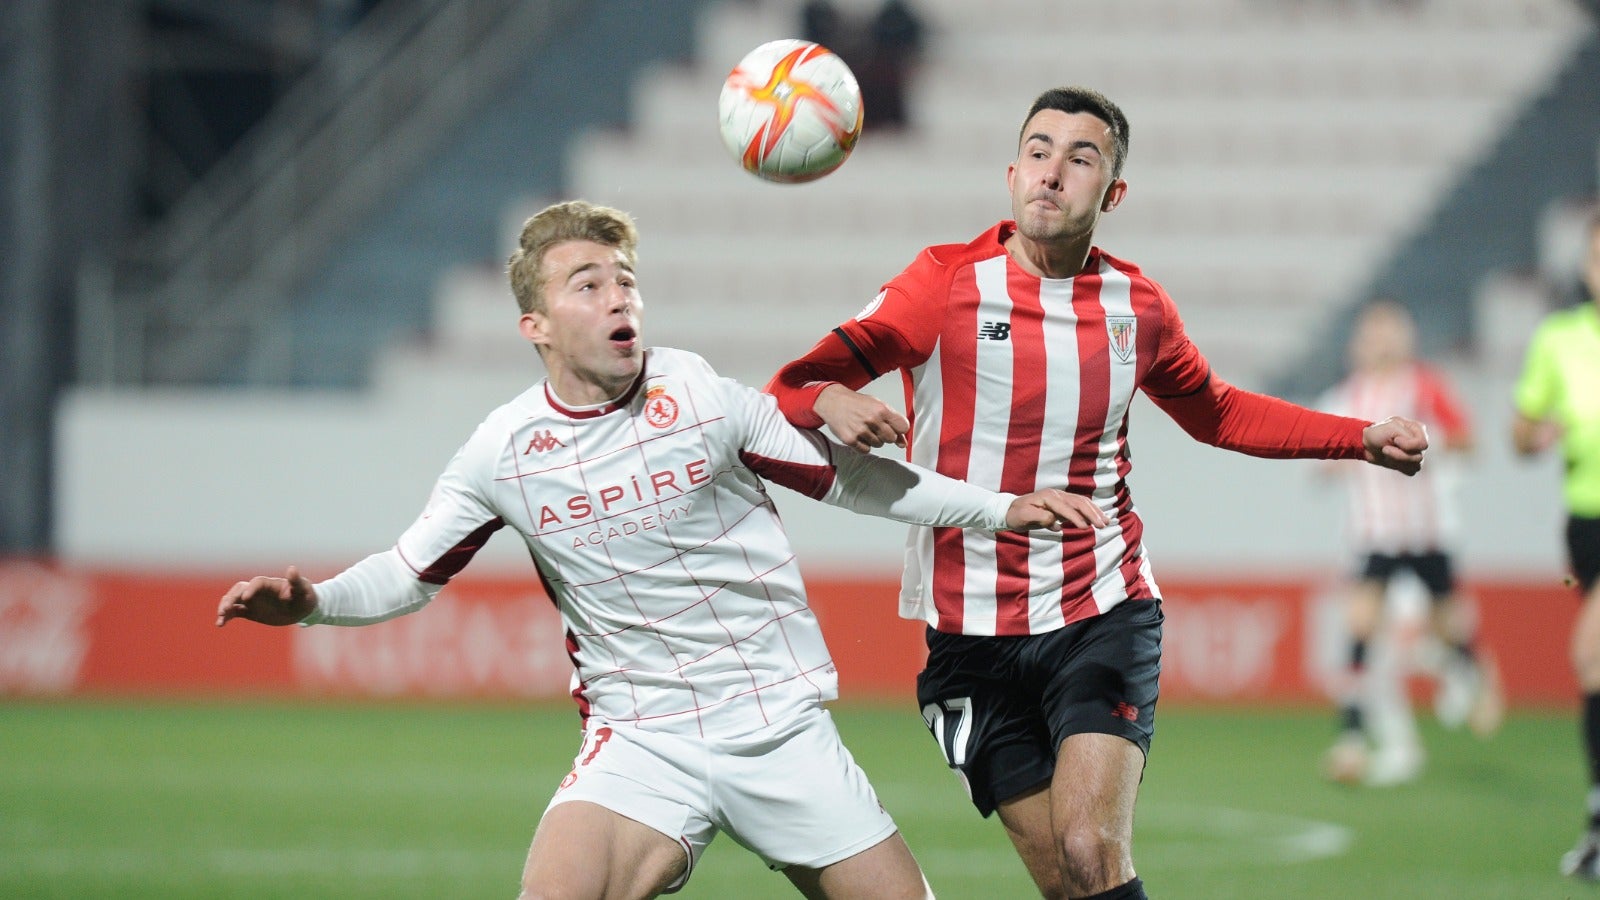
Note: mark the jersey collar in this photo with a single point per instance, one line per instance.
(592, 412)
(1007, 227)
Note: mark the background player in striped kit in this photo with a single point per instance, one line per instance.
(635, 479)
(1396, 527)
(1020, 352)
(1557, 402)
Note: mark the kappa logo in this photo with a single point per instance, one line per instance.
(542, 442)
(660, 410)
(994, 331)
(1122, 331)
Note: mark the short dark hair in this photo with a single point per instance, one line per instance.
(1084, 100)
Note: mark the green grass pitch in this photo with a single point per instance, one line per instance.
(262, 800)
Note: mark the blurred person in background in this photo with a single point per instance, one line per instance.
(821, 23)
(882, 53)
(896, 44)
(1021, 351)
(635, 478)
(1557, 401)
(1398, 527)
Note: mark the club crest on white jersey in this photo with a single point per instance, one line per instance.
(660, 410)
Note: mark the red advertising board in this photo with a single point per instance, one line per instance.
(99, 632)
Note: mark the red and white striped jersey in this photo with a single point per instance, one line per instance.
(1017, 383)
(653, 534)
(1402, 515)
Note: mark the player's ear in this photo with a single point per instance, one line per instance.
(1114, 195)
(535, 328)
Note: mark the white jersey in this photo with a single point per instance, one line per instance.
(680, 594)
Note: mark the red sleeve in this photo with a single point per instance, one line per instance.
(897, 330)
(798, 383)
(1224, 416)
(1179, 368)
(1212, 411)
(1443, 406)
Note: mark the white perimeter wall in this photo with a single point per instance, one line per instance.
(222, 479)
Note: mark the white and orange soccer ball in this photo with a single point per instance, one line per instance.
(790, 111)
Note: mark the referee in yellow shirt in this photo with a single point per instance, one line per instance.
(1558, 401)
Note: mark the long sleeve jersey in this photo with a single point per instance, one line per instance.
(650, 525)
(1560, 381)
(1016, 383)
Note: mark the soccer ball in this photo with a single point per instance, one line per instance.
(791, 111)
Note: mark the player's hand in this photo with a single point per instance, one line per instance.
(1396, 443)
(1053, 509)
(860, 421)
(269, 600)
(1532, 437)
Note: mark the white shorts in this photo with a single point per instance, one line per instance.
(793, 795)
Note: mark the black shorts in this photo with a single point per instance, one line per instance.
(1000, 707)
(1433, 568)
(1583, 550)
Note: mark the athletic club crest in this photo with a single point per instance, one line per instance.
(660, 410)
(1122, 330)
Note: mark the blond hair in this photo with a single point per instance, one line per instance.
(575, 220)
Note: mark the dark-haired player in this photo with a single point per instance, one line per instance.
(1020, 351)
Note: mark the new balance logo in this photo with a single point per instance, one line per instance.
(542, 441)
(1126, 711)
(994, 331)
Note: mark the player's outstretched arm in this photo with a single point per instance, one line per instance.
(1396, 443)
(1053, 509)
(269, 600)
(860, 421)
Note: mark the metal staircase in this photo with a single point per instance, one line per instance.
(202, 297)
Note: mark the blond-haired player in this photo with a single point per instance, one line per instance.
(637, 479)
